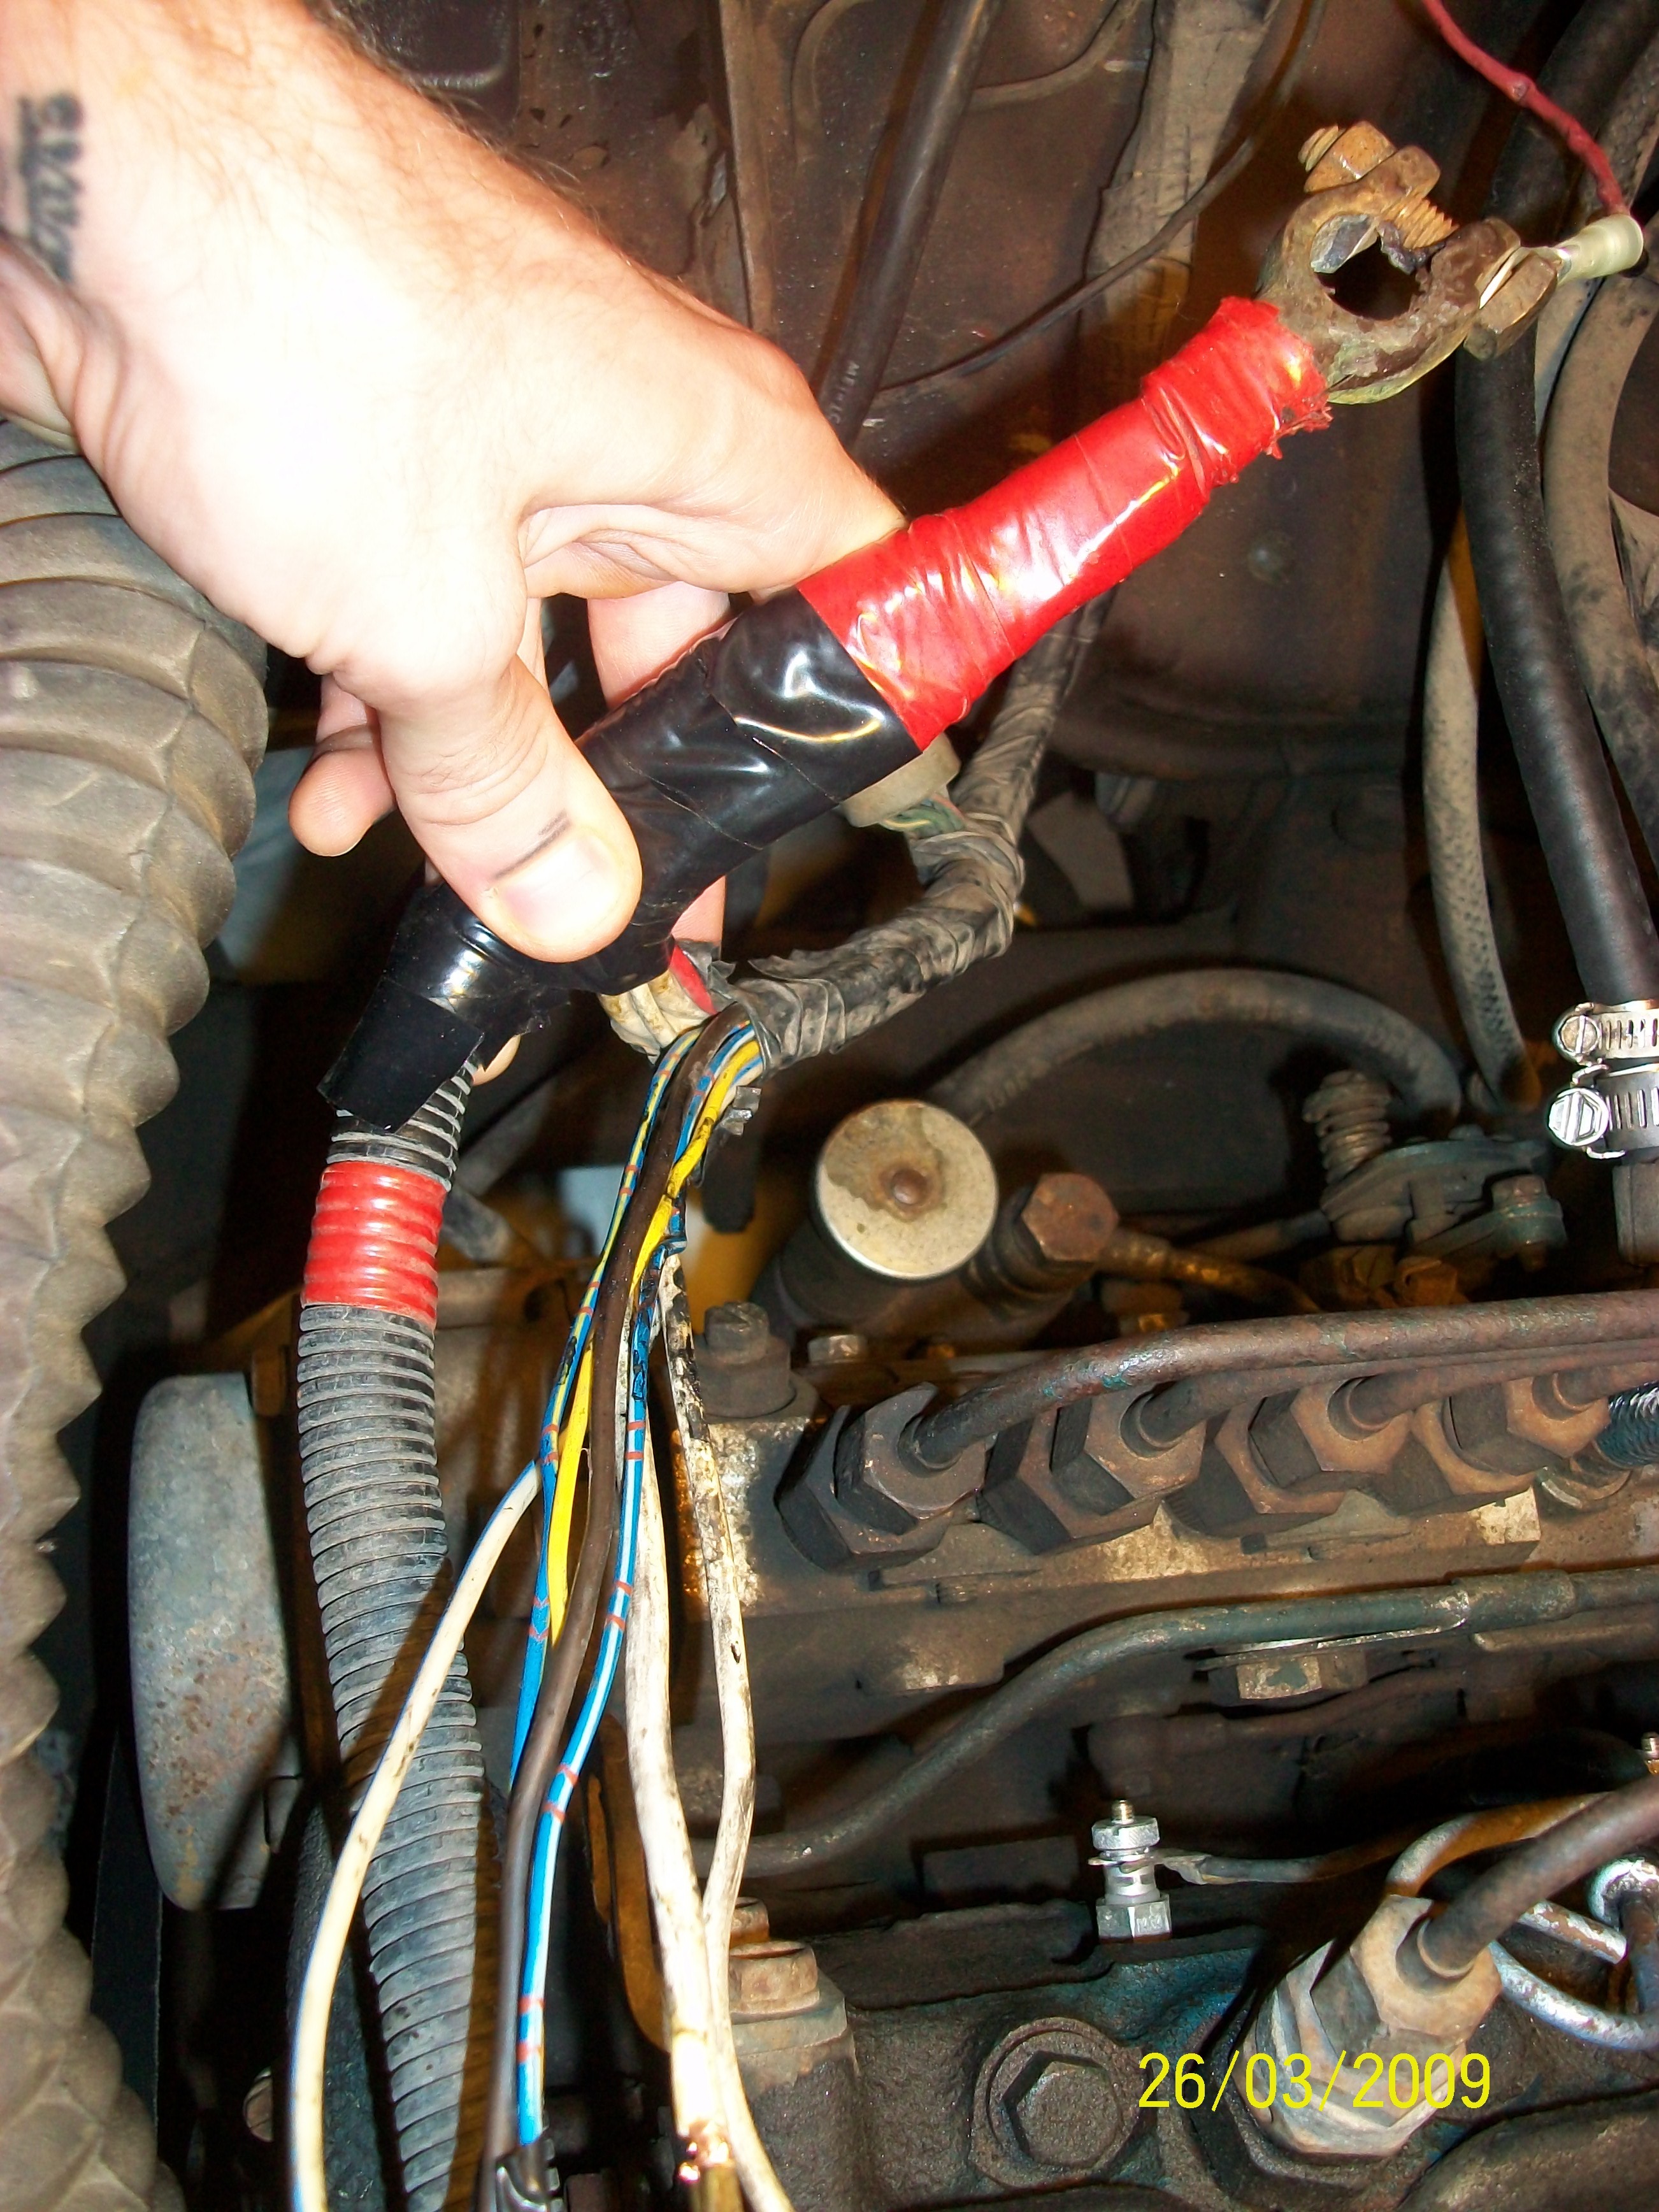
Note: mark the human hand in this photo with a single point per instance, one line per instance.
(376, 392)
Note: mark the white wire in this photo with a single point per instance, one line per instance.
(699, 2109)
(761, 2185)
(309, 2182)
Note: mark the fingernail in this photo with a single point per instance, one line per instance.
(554, 901)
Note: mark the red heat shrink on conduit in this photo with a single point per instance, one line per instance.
(374, 1240)
(933, 613)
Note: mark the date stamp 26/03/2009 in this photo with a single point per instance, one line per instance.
(1371, 2084)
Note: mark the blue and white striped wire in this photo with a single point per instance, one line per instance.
(531, 2058)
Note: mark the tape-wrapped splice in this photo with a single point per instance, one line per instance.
(932, 614)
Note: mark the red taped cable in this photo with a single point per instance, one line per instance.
(932, 614)
(374, 1240)
(1515, 85)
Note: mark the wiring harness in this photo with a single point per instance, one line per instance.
(596, 1420)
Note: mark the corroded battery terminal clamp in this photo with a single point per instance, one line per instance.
(802, 703)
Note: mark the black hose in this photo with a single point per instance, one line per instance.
(375, 1524)
(1488, 1602)
(1358, 1343)
(1359, 1030)
(1556, 742)
(1449, 1944)
(1612, 657)
(909, 196)
(545, 1740)
(1555, 738)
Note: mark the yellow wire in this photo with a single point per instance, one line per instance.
(574, 1434)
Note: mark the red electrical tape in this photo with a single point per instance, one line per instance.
(374, 1240)
(933, 613)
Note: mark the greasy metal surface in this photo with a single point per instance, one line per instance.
(210, 1694)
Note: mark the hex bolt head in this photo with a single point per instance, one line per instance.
(730, 1331)
(1064, 2114)
(1069, 1218)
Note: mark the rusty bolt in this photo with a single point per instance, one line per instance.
(742, 1368)
(771, 1978)
(733, 1330)
(1069, 1218)
(1334, 156)
(1064, 2114)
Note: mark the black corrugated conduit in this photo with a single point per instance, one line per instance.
(375, 1525)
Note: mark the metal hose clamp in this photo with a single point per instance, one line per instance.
(1610, 1110)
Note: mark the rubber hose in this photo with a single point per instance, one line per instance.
(1554, 735)
(909, 197)
(1632, 1436)
(375, 1525)
(1451, 1943)
(130, 719)
(1487, 1601)
(1358, 1031)
(1612, 657)
(1451, 813)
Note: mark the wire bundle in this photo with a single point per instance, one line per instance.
(606, 1358)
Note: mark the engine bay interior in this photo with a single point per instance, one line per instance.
(1040, 1469)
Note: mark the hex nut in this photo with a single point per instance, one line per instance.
(1301, 1438)
(1432, 1474)
(770, 1978)
(1234, 1495)
(873, 1474)
(1075, 1477)
(1132, 1919)
(840, 1518)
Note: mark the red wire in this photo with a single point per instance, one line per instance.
(1515, 85)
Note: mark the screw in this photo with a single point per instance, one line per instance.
(909, 1187)
(1650, 1751)
(1122, 1810)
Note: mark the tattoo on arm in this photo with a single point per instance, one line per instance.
(48, 154)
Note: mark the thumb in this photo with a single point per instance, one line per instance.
(511, 815)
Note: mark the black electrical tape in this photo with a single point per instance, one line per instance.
(752, 732)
